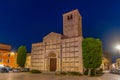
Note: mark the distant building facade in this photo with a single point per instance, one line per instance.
(7, 58)
(106, 61)
(60, 52)
(106, 65)
(118, 63)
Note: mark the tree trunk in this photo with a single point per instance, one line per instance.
(89, 72)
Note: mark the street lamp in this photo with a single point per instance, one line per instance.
(12, 53)
(118, 50)
(118, 47)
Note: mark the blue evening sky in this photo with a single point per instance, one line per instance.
(23, 22)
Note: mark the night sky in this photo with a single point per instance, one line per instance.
(23, 22)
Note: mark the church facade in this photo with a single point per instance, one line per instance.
(61, 52)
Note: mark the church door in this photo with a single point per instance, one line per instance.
(52, 64)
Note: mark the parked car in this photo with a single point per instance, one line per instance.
(10, 69)
(16, 70)
(3, 70)
(25, 70)
(115, 71)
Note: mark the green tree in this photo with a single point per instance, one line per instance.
(92, 53)
(21, 56)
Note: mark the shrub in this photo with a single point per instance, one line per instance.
(35, 71)
(100, 71)
(63, 73)
(75, 73)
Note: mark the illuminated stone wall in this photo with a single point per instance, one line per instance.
(66, 48)
(72, 54)
(37, 56)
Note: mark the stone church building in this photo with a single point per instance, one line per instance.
(61, 52)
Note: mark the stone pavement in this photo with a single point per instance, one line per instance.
(28, 76)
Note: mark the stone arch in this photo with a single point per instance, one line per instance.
(51, 54)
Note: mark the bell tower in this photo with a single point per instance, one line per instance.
(72, 24)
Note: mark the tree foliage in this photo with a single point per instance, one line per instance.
(21, 56)
(92, 53)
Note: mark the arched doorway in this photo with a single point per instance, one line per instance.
(53, 62)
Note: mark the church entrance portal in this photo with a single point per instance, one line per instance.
(53, 64)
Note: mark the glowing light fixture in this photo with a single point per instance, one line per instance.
(118, 47)
(1, 65)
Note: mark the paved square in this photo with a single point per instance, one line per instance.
(29, 76)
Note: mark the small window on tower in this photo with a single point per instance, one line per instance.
(70, 17)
